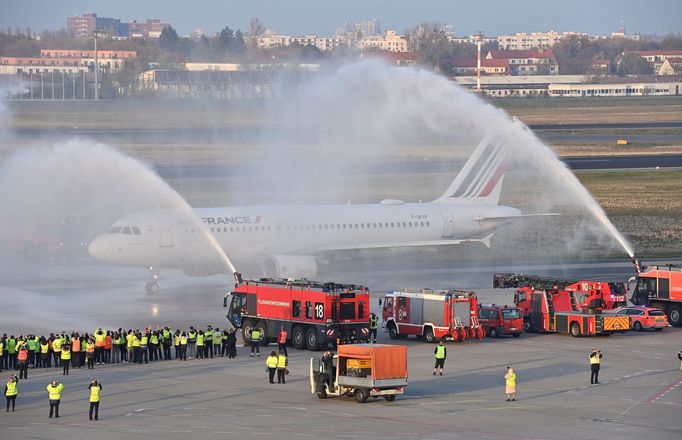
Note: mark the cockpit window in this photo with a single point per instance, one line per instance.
(136, 230)
(115, 230)
(126, 230)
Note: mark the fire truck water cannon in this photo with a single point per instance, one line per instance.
(313, 314)
(433, 315)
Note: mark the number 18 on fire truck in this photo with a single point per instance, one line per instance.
(314, 314)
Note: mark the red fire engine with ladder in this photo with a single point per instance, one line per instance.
(558, 306)
(314, 314)
(431, 314)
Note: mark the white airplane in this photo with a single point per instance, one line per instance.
(290, 241)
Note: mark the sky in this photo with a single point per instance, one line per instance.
(322, 17)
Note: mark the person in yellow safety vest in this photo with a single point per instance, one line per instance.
(510, 384)
(66, 359)
(144, 342)
(373, 325)
(177, 344)
(137, 357)
(200, 344)
(282, 340)
(90, 354)
(192, 342)
(271, 364)
(95, 387)
(183, 346)
(129, 346)
(217, 342)
(282, 363)
(2, 353)
(54, 392)
(167, 342)
(100, 337)
(154, 346)
(595, 363)
(255, 341)
(208, 338)
(57, 350)
(44, 352)
(441, 353)
(11, 391)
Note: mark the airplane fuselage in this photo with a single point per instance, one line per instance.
(248, 235)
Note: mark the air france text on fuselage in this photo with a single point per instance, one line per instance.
(240, 220)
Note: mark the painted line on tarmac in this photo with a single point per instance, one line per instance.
(656, 396)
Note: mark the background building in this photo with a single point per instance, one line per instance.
(534, 40)
(84, 25)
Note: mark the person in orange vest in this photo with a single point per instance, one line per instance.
(90, 353)
(75, 351)
(282, 340)
(22, 362)
(100, 337)
(107, 348)
(95, 387)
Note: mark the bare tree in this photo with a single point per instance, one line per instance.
(256, 29)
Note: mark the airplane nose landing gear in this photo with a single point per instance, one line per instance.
(152, 286)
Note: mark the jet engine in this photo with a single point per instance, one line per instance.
(290, 266)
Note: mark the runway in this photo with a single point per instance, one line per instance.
(638, 397)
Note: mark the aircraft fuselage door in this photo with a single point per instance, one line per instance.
(165, 228)
(448, 223)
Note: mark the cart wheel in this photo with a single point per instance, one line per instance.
(322, 395)
(390, 398)
(360, 395)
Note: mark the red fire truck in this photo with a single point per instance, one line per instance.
(432, 315)
(660, 287)
(549, 316)
(566, 296)
(500, 320)
(313, 314)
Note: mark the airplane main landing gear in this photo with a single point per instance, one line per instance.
(152, 286)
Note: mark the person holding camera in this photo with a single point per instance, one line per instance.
(595, 363)
(679, 356)
(54, 391)
(11, 391)
(95, 387)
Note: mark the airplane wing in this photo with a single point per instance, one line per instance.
(388, 245)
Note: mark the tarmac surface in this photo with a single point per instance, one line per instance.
(640, 394)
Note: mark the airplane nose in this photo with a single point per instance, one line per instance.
(99, 248)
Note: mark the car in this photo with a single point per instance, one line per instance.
(645, 318)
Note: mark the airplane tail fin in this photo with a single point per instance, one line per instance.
(480, 180)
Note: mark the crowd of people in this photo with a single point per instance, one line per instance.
(77, 349)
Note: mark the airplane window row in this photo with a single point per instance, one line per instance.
(333, 226)
(127, 230)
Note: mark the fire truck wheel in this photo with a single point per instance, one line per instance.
(637, 326)
(322, 394)
(429, 336)
(527, 327)
(675, 316)
(575, 330)
(360, 395)
(311, 340)
(392, 331)
(390, 398)
(493, 332)
(247, 326)
(298, 337)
